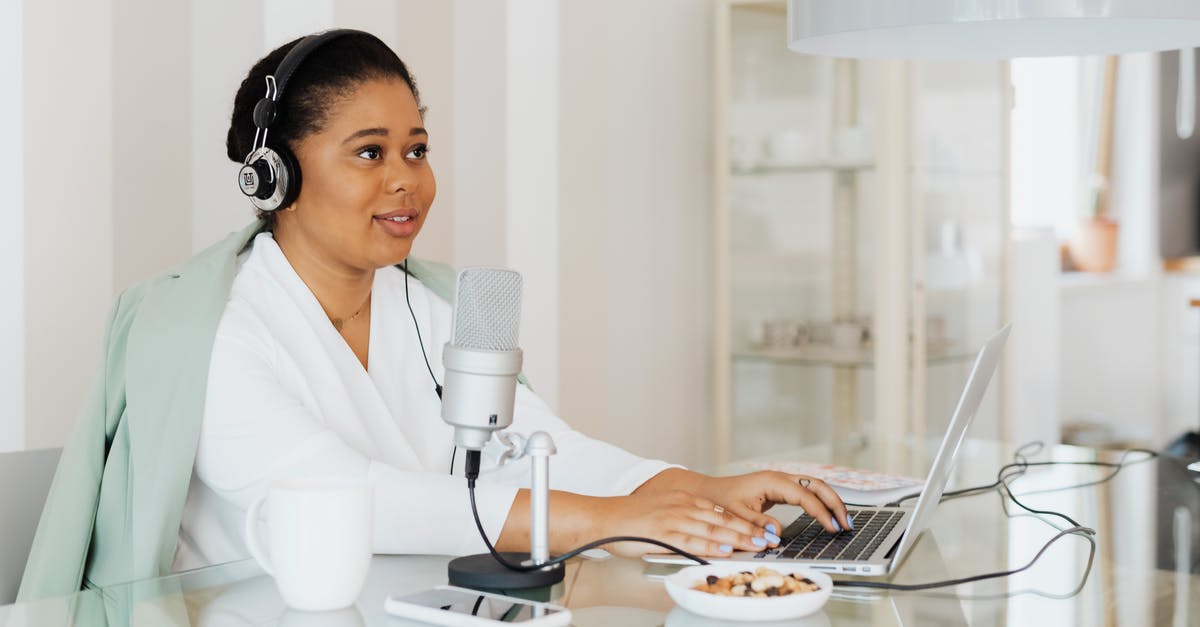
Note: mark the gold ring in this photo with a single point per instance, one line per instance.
(718, 509)
(805, 482)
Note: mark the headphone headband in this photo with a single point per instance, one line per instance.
(300, 51)
(264, 111)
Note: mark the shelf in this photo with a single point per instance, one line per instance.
(840, 357)
(804, 168)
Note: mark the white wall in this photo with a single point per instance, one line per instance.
(1112, 359)
(635, 224)
(222, 51)
(532, 157)
(1033, 361)
(12, 215)
(1135, 185)
(151, 129)
(1045, 143)
(68, 132)
(1181, 370)
(479, 173)
(285, 20)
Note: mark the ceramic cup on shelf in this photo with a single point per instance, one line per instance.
(319, 540)
(791, 147)
(785, 333)
(779, 333)
(852, 144)
(847, 334)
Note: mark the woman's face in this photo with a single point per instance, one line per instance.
(366, 181)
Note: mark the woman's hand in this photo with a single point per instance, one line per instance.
(687, 521)
(749, 496)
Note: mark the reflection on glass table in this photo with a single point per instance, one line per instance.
(1146, 569)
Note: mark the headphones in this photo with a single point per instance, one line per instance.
(270, 177)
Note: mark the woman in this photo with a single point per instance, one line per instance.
(299, 347)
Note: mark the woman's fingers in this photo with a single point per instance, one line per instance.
(823, 503)
(691, 535)
(695, 545)
(761, 521)
(711, 520)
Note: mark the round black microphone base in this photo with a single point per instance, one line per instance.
(483, 572)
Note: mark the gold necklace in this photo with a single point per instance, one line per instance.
(338, 323)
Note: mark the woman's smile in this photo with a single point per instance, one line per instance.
(400, 223)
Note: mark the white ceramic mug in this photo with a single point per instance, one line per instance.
(318, 539)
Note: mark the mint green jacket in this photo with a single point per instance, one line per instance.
(114, 508)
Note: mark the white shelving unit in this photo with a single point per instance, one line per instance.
(835, 230)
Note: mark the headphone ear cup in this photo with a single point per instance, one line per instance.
(266, 178)
(292, 179)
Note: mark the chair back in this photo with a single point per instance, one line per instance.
(25, 478)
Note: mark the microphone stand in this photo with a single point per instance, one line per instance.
(483, 571)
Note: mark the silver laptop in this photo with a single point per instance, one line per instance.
(882, 536)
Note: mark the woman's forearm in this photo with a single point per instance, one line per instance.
(574, 520)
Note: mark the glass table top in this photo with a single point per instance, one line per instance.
(1145, 571)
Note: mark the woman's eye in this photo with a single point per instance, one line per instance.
(418, 152)
(370, 152)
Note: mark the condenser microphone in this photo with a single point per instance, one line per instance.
(482, 359)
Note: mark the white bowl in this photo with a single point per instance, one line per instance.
(679, 617)
(679, 587)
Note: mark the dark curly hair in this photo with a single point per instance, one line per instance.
(326, 75)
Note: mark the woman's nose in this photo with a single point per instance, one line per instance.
(401, 178)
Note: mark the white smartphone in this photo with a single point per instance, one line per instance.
(449, 605)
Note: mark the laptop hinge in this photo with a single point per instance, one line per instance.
(892, 551)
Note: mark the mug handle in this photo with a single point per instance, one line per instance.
(251, 533)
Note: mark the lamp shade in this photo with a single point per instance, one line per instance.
(989, 29)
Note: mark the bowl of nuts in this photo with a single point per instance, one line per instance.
(742, 592)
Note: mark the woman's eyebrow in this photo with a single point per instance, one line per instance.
(365, 133)
(380, 131)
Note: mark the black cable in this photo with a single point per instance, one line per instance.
(437, 387)
(1007, 473)
(569, 554)
(1086, 532)
(1021, 465)
(471, 469)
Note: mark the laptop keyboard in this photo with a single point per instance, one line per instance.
(806, 539)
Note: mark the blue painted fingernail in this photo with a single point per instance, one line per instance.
(836, 526)
(772, 538)
(771, 527)
(725, 548)
(850, 521)
(759, 541)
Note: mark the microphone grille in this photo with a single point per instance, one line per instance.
(487, 309)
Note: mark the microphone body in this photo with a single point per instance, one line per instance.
(479, 391)
(482, 359)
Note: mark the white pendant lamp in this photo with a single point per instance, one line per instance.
(989, 29)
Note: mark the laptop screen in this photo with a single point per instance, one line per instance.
(968, 404)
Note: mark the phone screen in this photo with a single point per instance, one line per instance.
(504, 610)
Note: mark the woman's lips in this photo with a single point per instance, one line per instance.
(403, 225)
